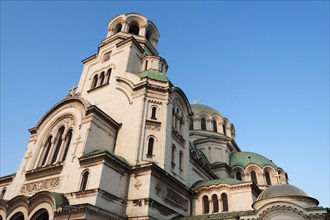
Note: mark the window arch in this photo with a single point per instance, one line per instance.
(18, 216)
(3, 192)
(94, 82)
(84, 180)
(215, 126)
(102, 78)
(58, 143)
(134, 29)
(45, 152)
(118, 28)
(215, 203)
(41, 214)
(153, 113)
(268, 180)
(224, 200)
(254, 177)
(67, 142)
(108, 75)
(203, 124)
(206, 208)
(238, 175)
(151, 142)
(181, 160)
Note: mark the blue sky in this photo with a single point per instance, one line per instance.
(263, 64)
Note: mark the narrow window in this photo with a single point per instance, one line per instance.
(224, 200)
(102, 78)
(146, 65)
(177, 122)
(67, 142)
(238, 176)
(58, 144)
(3, 193)
(94, 83)
(268, 181)
(150, 147)
(206, 208)
(203, 124)
(215, 203)
(173, 119)
(191, 124)
(108, 75)
(224, 129)
(161, 67)
(84, 180)
(133, 29)
(181, 160)
(153, 113)
(45, 152)
(215, 126)
(173, 156)
(254, 177)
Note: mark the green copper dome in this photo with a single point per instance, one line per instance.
(227, 181)
(281, 190)
(153, 74)
(244, 159)
(197, 108)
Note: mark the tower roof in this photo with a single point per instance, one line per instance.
(153, 74)
(281, 190)
(244, 159)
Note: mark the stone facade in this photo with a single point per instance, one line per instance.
(126, 144)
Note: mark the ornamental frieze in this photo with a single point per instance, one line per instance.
(41, 185)
(176, 199)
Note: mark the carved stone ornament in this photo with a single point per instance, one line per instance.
(41, 185)
(176, 199)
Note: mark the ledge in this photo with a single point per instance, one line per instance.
(44, 171)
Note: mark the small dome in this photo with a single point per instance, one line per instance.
(244, 159)
(197, 108)
(281, 190)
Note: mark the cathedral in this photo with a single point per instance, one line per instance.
(125, 143)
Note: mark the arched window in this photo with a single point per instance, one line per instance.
(67, 142)
(224, 129)
(3, 193)
(150, 147)
(118, 28)
(206, 208)
(191, 124)
(134, 29)
(84, 180)
(224, 200)
(215, 126)
(18, 216)
(238, 176)
(108, 75)
(146, 65)
(102, 78)
(268, 181)
(94, 83)
(45, 152)
(254, 177)
(181, 160)
(41, 214)
(153, 113)
(173, 156)
(203, 124)
(58, 144)
(215, 203)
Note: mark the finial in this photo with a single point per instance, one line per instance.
(195, 101)
(72, 91)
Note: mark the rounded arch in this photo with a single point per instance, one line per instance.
(179, 94)
(48, 200)
(18, 204)
(17, 216)
(85, 177)
(40, 214)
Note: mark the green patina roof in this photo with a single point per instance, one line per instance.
(95, 152)
(197, 108)
(153, 74)
(60, 199)
(222, 215)
(281, 190)
(228, 181)
(244, 159)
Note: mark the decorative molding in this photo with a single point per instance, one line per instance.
(155, 102)
(176, 199)
(127, 96)
(41, 185)
(44, 171)
(178, 137)
(153, 125)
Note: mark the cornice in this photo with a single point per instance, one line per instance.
(44, 171)
(103, 115)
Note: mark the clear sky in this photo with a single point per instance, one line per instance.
(262, 64)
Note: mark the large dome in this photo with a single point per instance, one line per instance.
(243, 159)
(197, 108)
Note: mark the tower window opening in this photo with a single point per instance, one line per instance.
(84, 181)
(108, 75)
(215, 126)
(146, 65)
(150, 147)
(238, 176)
(173, 156)
(181, 161)
(133, 29)
(268, 180)
(254, 177)
(3, 193)
(67, 142)
(206, 207)
(58, 144)
(191, 124)
(224, 129)
(118, 28)
(203, 124)
(224, 200)
(102, 78)
(215, 203)
(153, 113)
(45, 152)
(94, 83)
